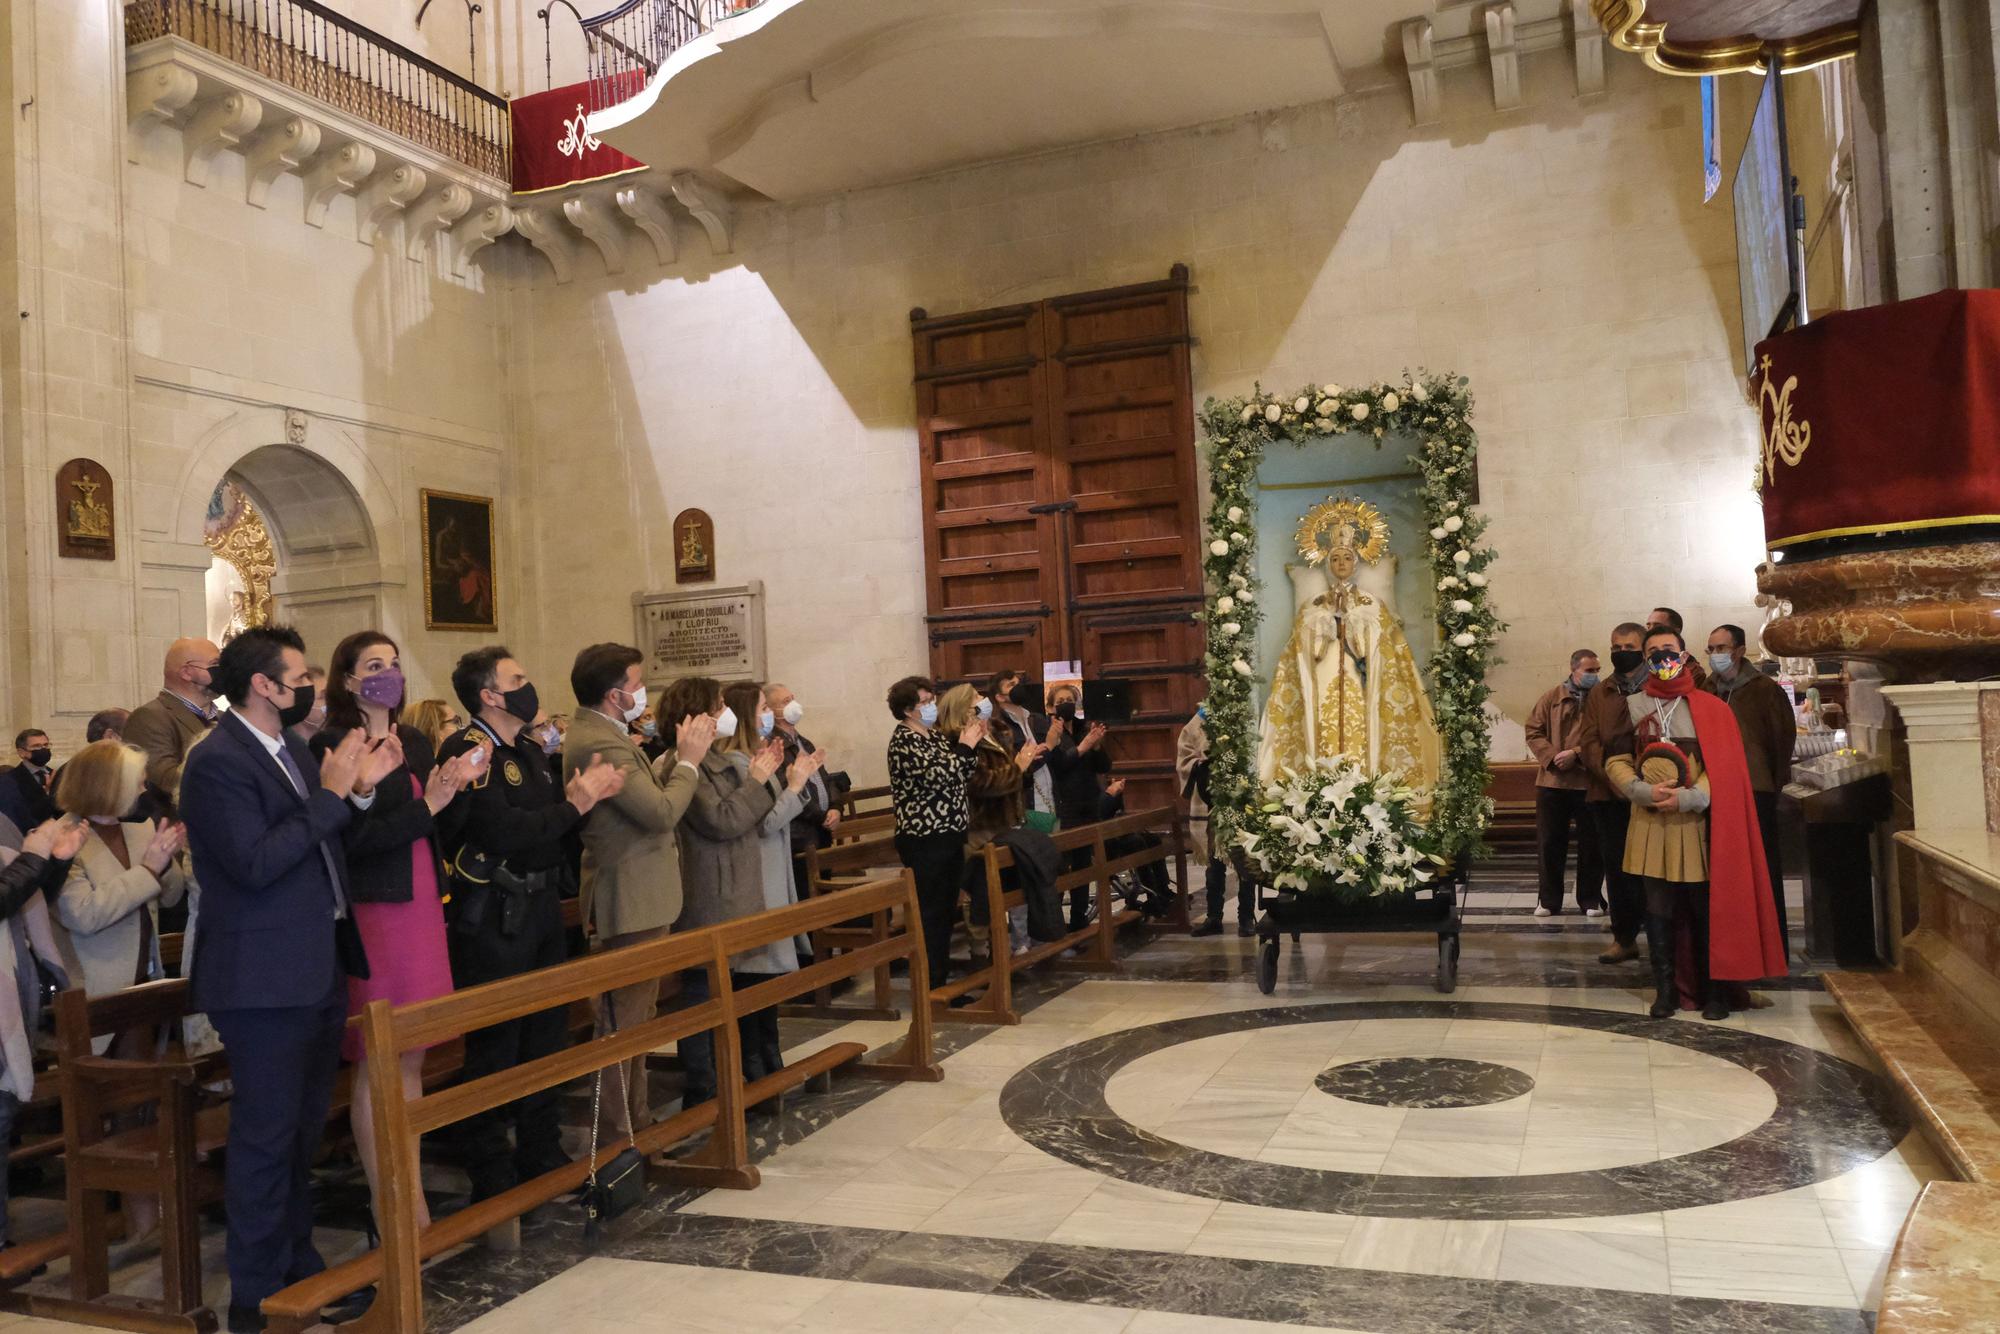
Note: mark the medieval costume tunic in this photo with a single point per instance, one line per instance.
(1702, 862)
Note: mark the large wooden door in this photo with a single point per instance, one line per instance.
(1059, 494)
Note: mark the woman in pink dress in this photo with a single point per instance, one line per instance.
(393, 869)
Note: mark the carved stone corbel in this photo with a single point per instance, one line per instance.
(388, 194)
(479, 230)
(219, 123)
(340, 172)
(649, 214)
(286, 146)
(594, 218)
(155, 96)
(431, 215)
(1588, 38)
(709, 208)
(1504, 54)
(538, 223)
(1421, 63)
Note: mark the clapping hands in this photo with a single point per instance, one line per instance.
(57, 840)
(804, 767)
(1026, 756)
(168, 839)
(593, 783)
(768, 760)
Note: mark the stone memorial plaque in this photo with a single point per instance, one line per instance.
(716, 632)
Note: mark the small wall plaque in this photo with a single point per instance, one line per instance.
(85, 529)
(694, 547)
(716, 632)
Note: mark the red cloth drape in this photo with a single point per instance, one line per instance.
(551, 148)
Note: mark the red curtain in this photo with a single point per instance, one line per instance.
(551, 148)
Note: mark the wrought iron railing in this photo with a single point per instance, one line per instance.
(304, 45)
(626, 45)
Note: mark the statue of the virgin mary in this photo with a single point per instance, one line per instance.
(1347, 683)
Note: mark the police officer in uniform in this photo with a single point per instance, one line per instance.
(504, 841)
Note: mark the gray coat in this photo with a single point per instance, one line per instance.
(722, 857)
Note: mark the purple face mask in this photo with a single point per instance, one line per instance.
(384, 689)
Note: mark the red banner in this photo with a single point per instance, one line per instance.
(1882, 420)
(551, 148)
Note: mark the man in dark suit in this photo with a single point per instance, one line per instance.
(27, 791)
(274, 945)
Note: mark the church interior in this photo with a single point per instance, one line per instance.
(1434, 568)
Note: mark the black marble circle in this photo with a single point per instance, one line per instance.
(1832, 1116)
(1424, 1081)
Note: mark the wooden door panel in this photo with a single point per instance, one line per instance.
(972, 650)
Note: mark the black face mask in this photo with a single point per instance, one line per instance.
(1625, 661)
(522, 701)
(291, 715)
(1066, 711)
(40, 757)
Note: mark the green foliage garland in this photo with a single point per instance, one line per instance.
(1434, 409)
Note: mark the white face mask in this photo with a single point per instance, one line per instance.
(793, 712)
(638, 705)
(985, 709)
(765, 723)
(725, 725)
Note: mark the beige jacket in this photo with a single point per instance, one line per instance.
(1190, 750)
(101, 908)
(1555, 725)
(631, 866)
(164, 727)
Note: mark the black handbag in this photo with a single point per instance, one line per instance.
(621, 1185)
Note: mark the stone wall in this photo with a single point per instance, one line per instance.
(1557, 254)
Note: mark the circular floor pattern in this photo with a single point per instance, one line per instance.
(1424, 1081)
(1831, 1117)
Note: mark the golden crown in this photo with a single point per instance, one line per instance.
(1342, 523)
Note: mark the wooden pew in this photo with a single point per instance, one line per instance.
(996, 1006)
(860, 801)
(723, 1162)
(867, 825)
(828, 871)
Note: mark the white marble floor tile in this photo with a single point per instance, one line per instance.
(1135, 1218)
(870, 1308)
(1254, 1232)
(1627, 1261)
(1745, 1271)
(1022, 1315)
(1457, 1247)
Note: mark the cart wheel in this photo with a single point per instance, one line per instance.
(1267, 966)
(1447, 978)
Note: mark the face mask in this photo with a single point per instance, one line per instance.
(1201, 712)
(793, 712)
(1625, 660)
(551, 741)
(291, 715)
(1722, 663)
(384, 689)
(1665, 663)
(649, 730)
(206, 686)
(927, 713)
(636, 707)
(522, 702)
(40, 757)
(1587, 681)
(1066, 711)
(725, 726)
(766, 722)
(985, 709)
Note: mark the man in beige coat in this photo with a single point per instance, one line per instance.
(631, 887)
(180, 715)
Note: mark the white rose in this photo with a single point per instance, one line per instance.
(1248, 595)
(1461, 606)
(1453, 524)
(1390, 402)
(1447, 582)
(1322, 425)
(1325, 407)
(1225, 604)
(1249, 414)
(1359, 412)
(1476, 580)
(1218, 548)
(1240, 667)
(1329, 391)
(1238, 581)
(1231, 628)
(1301, 404)
(1237, 539)
(1437, 534)
(1451, 504)
(1273, 413)
(1236, 514)
(1418, 392)
(1464, 639)
(1461, 558)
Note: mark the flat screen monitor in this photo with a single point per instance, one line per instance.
(1107, 701)
(1767, 257)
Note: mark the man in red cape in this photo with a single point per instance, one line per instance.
(1694, 839)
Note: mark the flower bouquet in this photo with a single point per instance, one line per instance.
(1336, 832)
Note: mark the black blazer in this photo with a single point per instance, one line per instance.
(377, 841)
(1078, 786)
(24, 800)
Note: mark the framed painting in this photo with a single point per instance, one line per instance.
(458, 562)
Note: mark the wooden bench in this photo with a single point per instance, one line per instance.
(996, 1005)
(841, 867)
(1512, 788)
(722, 1162)
(860, 801)
(875, 824)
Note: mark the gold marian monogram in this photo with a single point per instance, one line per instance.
(577, 141)
(1785, 440)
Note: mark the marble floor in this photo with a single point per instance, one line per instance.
(1168, 1149)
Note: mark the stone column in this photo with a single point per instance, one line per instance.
(67, 625)
(1947, 774)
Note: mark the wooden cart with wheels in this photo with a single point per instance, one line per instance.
(1438, 907)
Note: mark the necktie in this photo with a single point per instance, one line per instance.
(332, 871)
